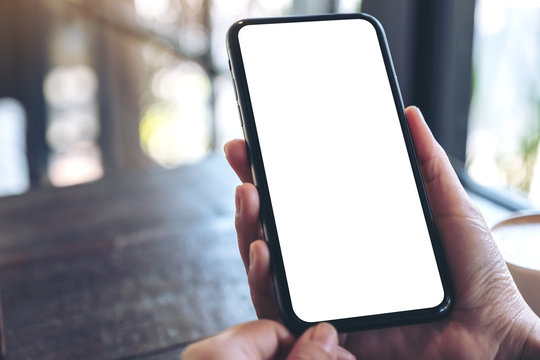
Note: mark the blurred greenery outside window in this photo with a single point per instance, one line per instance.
(504, 122)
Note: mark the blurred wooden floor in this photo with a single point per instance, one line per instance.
(131, 267)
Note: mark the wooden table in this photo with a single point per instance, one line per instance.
(130, 267)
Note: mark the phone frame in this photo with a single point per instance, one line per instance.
(290, 319)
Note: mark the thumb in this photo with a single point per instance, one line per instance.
(318, 343)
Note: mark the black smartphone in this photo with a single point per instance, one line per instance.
(343, 208)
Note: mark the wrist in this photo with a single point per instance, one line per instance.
(521, 339)
(531, 347)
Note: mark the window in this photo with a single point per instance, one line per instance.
(504, 127)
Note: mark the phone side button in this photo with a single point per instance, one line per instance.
(235, 89)
(240, 115)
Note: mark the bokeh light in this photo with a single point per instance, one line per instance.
(70, 85)
(82, 163)
(176, 128)
(14, 177)
(152, 8)
(73, 125)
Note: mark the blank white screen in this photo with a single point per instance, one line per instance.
(349, 220)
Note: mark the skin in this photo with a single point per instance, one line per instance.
(267, 339)
(489, 320)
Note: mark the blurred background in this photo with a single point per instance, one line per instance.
(93, 88)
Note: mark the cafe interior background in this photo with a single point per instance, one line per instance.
(93, 89)
(89, 89)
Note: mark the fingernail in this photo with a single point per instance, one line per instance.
(225, 147)
(324, 335)
(417, 109)
(344, 354)
(238, 200)
(252, 256)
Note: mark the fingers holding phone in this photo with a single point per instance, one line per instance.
(331, 158)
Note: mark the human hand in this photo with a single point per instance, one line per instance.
(489, 318)
(267, 339)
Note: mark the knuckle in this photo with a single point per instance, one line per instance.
(200, 352)
(310, 353)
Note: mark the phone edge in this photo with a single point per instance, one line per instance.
(289, 317)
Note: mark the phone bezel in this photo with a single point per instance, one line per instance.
(291, 320)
